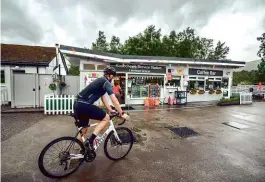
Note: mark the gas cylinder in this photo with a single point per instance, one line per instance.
(169, 100)
(175, 101)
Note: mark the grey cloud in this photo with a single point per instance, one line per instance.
(194, 12)
(82, 25)
(17, 22)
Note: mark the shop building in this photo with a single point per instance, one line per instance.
(152, 76)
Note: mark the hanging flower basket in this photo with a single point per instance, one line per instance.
(211, 91)
(201, 92)
(193, 91)
(53, 86)
(218, 91)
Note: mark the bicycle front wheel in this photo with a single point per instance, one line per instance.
(55, 160)
(122, 146)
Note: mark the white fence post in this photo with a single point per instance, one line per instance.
(4, 95)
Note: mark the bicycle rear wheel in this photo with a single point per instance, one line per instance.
(126, 137)
(60, 156)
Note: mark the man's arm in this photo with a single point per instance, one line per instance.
(116, 103)
(113, 98)
(105, 102)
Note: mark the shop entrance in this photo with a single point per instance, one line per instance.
(121, 81)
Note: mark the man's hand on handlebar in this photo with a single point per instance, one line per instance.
(123, 115)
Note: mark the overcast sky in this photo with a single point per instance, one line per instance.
(77, 22)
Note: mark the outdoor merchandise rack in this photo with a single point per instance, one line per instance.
(153, 96)
(181, 97)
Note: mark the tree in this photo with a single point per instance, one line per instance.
(220, 51)
(151, 42)
(247, 77)
(146, 43)
(101, 43)
(115, 45)
(261, 54)
(74, 70)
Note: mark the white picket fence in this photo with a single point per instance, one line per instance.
(4, 95)
(245, 88)
(245, 98)
(58, 104)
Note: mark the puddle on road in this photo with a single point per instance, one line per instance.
(235, 125)
(139, 135)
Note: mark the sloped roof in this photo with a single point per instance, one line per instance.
(26, 55)
(65, 48)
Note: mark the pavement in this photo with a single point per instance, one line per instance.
(218, 153)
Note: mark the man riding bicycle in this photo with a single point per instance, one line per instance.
(85, 110)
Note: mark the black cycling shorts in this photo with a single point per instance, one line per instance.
(84, 111)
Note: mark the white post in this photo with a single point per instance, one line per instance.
(45, 109)
(69, 104)
(57, 104)
(73, 100)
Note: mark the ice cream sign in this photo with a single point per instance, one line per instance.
(91, 76)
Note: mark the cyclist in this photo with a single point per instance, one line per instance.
(85, 110)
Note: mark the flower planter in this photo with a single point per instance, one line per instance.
(228, 103)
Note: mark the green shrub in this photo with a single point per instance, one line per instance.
(233, 98)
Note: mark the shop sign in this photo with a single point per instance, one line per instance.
(91, 76)
(139, 68)
(177, 71)
(205, 72)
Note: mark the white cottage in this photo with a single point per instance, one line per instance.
(26, 72)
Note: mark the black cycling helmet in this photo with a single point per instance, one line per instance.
(110, 71)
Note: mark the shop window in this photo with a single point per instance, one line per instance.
(142, 86)
(89, 67)
(197, 85)
(3, 76)
(214, 85)
(101, 67)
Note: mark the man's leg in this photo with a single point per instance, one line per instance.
(84, 133)
(99, 128)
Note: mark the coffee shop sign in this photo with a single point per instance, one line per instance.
(205, 72)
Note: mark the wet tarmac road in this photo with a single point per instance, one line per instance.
(218, 153)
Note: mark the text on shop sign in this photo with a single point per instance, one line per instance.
(205, 72)
(139, 68)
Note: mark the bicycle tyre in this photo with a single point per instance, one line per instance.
(109, 137)
(41, 156)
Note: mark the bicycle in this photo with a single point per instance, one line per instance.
(67, 156)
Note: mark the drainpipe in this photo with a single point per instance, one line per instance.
(57, 64)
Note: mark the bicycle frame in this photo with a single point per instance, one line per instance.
(97, 142)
